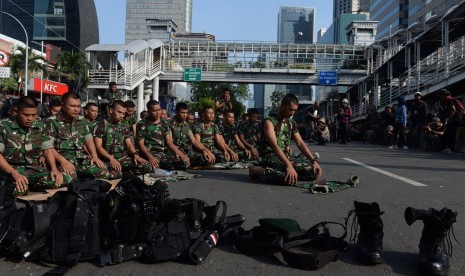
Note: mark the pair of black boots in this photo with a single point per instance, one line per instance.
(435, 242)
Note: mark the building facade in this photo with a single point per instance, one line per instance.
(159, 19)
(350, 6)
(421, 10)
(391, 16)
(361, 32)
(68, 24)
(296, 25)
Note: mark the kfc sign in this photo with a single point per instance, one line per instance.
(49, 87)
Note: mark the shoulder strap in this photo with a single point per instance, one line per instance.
(78, 231)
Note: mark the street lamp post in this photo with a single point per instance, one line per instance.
(27, 53)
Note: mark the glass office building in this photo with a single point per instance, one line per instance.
(296, 25)
(69, 24)
(147, 19)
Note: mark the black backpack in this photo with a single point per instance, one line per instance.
(74, 228)
(130, 209)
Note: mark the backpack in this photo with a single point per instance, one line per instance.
(458, 104)
(130, 209)
(74, 228)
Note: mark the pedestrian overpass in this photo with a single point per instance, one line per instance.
(146, 63)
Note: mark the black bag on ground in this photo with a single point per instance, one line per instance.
(167, 241)
(74, 228)
(130, 209)
(26, 230)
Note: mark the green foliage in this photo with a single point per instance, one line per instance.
(17, 62)
(203, 92)
(276, 98)
(9, 84)
(73, 67)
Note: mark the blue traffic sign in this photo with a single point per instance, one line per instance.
(327, 78)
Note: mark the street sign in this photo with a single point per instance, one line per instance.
(4, 72)
(4, 59)
(193, 74)
(327, 78)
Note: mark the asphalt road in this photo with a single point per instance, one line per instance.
(393, 178)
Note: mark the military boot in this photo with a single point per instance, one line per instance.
(370, 238)
(435, 243)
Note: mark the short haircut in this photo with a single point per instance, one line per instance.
(226, 90)
(289, 98)
(152, 103)
(444, 92)
(253, 111)
(54, 103)
(89, 105)
(181, 106)
(226, 112)
(69, 95)
(118, 102)
(191, 114)
(111, 84)
(207, 107)
(27, 102)
(130, 104)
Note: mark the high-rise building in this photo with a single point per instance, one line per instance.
(350, 6)
(157, 19)
(68, 24)
(296, 25)
(421, 10)
(391, 16)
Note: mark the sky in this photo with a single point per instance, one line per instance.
(236, 20)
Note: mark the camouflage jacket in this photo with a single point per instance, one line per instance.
(251, 132)
(222, 109)
(112, 135)
(118, 95)
(207, 134)
(69, 138)
(182, 134)
(228, 133)
(283, 132)
(154, 135)
(20, 146)
(91, 125)
(127, 122)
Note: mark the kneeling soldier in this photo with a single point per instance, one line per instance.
(233, 144)
(22, 140)
(73, 141)
(154, 140)
(113, 143)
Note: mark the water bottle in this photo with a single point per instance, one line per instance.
(203, 246)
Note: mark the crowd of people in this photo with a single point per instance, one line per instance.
(67, 142)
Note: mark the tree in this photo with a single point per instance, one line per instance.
(9, 84)
(73, 67)
(203, 91)
(276, 98)
(36, 63)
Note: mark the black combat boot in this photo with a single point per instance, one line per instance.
(435, 243)
(370, 238)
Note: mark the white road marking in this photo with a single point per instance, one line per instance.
(398, 177)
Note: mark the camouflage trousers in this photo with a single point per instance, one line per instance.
(39, 177)
(168, 161)
(275, 171)
(219, 156)
(196, 158)
(84, 169)
(127, 164)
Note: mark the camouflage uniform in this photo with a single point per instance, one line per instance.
(228, 133)
(155, 142)
(113, 136)
(275, 170)
(69, 140)
(220, 111)
(91, 125)
(182, 132)
(112, 96)
(127, 122)
(251, 132)
(22, 149)
(207, 138)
